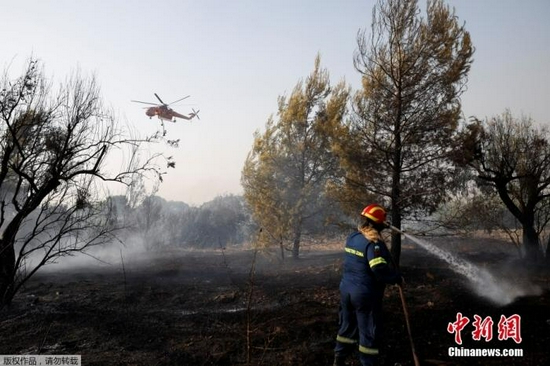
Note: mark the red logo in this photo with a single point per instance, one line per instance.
(483, 329)
(508, 328)
(457, 327)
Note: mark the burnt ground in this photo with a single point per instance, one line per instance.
(205, 308)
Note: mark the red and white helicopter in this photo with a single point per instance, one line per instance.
(164, 112)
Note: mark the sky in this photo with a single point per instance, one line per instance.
(234, 58)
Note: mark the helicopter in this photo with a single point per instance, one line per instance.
(164, 112)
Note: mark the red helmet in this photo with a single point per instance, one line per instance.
(375, 212)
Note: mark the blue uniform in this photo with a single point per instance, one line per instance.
(365, 275)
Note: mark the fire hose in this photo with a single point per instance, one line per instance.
(404, 304)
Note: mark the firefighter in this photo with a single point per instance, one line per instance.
(365, 275)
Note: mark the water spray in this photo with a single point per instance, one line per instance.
(497, 290)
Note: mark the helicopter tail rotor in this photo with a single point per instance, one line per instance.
(196, 113)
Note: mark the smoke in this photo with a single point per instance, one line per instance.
(110, 255)
(500, 291)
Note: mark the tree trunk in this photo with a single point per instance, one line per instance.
(395, 199)
(7, 272)
(282, 250)
(296, 243)
(7, 244)
(7, 259)
(531, 243)
(396, 237)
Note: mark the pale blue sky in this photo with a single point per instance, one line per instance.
(236, 57)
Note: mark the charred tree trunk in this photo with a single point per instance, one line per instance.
(396, 198)
(396, 237)
(8, 260)
(296, 243)
(530, 237)
(531, 242)
(7, 272)
(297, 232)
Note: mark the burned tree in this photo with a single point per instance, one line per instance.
(512, 156)
(285, 173)
(396, 146)
(53, 156)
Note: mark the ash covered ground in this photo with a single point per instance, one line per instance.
(205, 308)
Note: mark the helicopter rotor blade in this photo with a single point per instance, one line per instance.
(179, 100)
(137, 101)
(156, 95)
